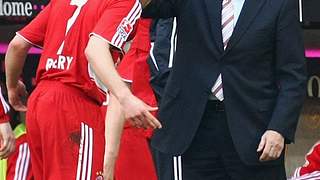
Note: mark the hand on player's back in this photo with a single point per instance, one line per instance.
(139, 112)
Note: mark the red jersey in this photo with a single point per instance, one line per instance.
(141, 42)
(311, 168)
(64, 37)
(4, 109)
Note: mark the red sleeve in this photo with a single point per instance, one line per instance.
(34, 32)
(117, 22)
(4, 109)
(126, 66)
(141, 41)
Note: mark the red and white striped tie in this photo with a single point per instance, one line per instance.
(227, 30)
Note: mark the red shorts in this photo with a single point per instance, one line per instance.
(19, 166)
(65, 130)
(135, 161)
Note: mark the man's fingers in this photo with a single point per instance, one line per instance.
(149, 121)
(137, 121)
(273, 153)
(5, 149)
(279, 153)
(3, 145)
(277, 150)
(266, 152)
(9, 149)
(19, 107)
(154, 122)
(17, 104)
(151, 109)
(262, 144)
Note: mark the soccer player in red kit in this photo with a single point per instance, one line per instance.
(65, 122)
(135, 161)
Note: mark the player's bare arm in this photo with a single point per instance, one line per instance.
(113, 129)
(99, 56)
(14, 62)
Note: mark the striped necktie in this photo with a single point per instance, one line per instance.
(227, 30)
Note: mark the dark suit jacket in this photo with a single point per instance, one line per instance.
(161, 36)
(263, 72)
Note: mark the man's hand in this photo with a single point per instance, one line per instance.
(139, 112)
(7, 140)
(16, 95)
(272, 144)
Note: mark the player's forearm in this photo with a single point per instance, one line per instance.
(113, 128)
(15, 59)
(99, 57)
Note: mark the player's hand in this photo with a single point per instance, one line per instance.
(271, 145)
(108, 167)
(139, 112)
(16, 96)
(7, 140)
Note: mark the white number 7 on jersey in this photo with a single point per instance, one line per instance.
(79, 4)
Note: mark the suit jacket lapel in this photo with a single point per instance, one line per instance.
(214, 8)
(249, 11)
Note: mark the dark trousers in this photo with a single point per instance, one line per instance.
(212, 155)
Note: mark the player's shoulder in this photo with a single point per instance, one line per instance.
(317, 147)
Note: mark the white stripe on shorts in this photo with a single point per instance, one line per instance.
(22, 164)
(177, 167)
(84, 167)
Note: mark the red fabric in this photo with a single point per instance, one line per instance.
(4, 117)
(65, 130)
(19, 164)
(4, 109)
(142, 39)
(135, 160)
(312, 160)
(139, 51)
(111, 20)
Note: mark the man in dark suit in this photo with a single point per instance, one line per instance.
(234, 95)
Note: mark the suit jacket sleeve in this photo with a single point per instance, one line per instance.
(290, 72)
(161, 36)
(162, 9)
